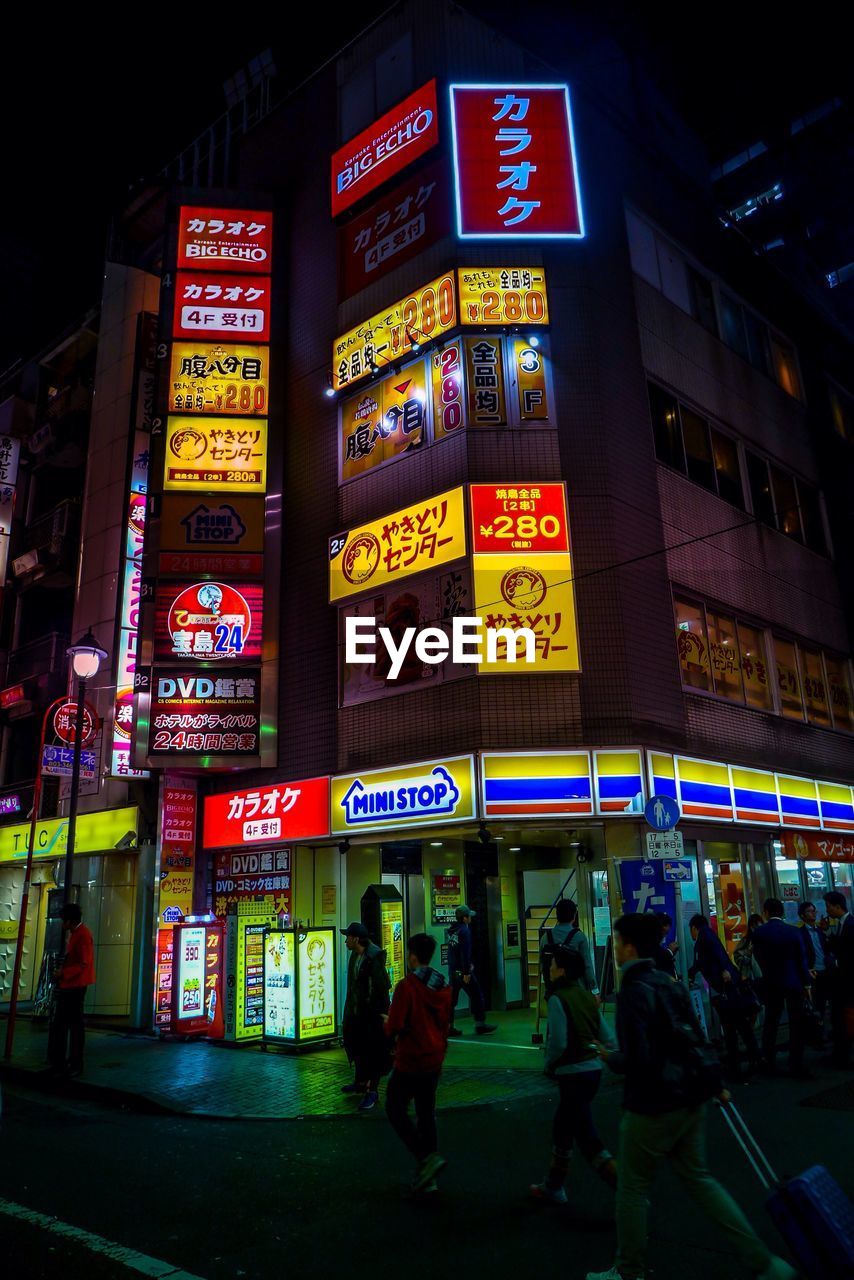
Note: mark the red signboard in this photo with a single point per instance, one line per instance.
(519, 517)
(65, 720)
(8, 697)
(397, 227)
(208, 621)
(224, 564)
(205, 713)
(514, 162)
(197, 979)
(815, 847)
(282, 811)
(221, 306)
(391, 143)
(252, 874)
(163, 979)
(226, 239)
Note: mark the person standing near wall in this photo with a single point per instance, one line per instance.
(76, 974)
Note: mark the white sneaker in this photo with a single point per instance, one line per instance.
(611, 1274)
(778, 1269)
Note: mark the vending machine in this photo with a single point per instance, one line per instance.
(197, 969)
(300, 1008)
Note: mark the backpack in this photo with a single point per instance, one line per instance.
(549, 947)
(692, 1068)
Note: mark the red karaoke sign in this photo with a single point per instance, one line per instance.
(514, 162)
(226, 239)
(404, 133)
(217, 306)
(282, 811)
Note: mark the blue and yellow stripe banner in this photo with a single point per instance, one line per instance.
(550, 784)
(619, 780)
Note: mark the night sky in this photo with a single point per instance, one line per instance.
(86, 116)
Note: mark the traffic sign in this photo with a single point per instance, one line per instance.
(678, 872)
(665, 844)
(58, 762)
(65, 721)
(662, 812)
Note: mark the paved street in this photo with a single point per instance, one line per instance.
(219, 1199)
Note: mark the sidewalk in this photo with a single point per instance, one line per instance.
(220, 1081)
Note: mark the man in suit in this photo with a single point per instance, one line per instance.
(839, 945)
(779, 950)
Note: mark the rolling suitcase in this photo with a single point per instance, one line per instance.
(811, 1211)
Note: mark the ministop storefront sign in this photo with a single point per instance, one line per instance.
(282, 811)
(415, 795)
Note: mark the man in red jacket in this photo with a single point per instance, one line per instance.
(419, 1018)
(77, 972)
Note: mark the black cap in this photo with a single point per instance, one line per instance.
(356, 930)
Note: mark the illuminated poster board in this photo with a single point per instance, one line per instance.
(299, 986)
(503, 295)
(227, 239)
(215, 377)
(207, 621)
(196, 977)
(215, 453)
(423, 314)
(230, 308)
(391, 939)
(244, 977)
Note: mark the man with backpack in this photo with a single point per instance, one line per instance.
(566, 933)
(670, 1072)
(463, 976)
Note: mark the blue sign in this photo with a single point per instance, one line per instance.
(645, 888)
(662, 813)
(58, 762)
(677, 872)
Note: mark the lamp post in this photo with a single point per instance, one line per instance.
(86, 657)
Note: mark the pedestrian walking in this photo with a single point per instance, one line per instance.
(735, 1004)
(575, 1029)
(463, 976)
(567, 933)
(785, 982)
(76, 974)
(366, 1002)
(744, 959)
(665, 956)
(418, 1022)
(839, 946)
(813, 940)
(670, 1072)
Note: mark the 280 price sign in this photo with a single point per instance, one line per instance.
(519, 517)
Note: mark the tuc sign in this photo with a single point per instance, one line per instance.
(428, 794)
(404, 133)
(281, 811)
(514, 162)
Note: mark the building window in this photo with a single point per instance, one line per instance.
(757, 342)
(786, 503)
(698, 449)
(665, 425)
(791, 702)
(841, 412)
(754, 668)
(785, 365)
(702, 300)
(732, 318)
(725, 656)
(811, 520)
(760, 489)
(727, 468)
(814, 687)
(692, 645)
(839, 690)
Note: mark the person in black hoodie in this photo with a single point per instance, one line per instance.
(366, 1002)
(669, 1072)
(734, 1002)
(786, 980)
(463, 976)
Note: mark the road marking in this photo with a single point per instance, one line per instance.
(130, 1258)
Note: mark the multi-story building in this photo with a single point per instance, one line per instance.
(444, 365)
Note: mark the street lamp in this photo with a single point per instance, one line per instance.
(86, 657)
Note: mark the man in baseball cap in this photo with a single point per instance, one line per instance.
(463, 977)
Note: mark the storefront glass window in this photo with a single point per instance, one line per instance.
(754, 668)
(843, 880)
(788, 679)
(692, 645)
(818, 883)
(839, 689)
(815, 690)
(725, 656)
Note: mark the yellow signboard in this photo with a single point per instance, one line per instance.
(420, 316)
(384, 421)
(529, 366)
(446, 369)
(503, 295)
(96, 833)
(391, 939)
(316, 984)
(9, 930)
(485, 378)
(428, 794)
(534, 591)
(422, 536)
(216, 453)
(215, 377)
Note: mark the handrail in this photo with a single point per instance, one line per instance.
(559, 898)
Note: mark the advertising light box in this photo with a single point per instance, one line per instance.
(207, 621)
(197, 953)
(216, 453)
(205, 535)
(503, 295)
(195, 713)
(426, 535)
(278, 811)
(225, 239)
(299, 986)
(434, 792)
(231, 308)
(366, 349)
(514, 162)
(245, 932)
(214, 377)
(385, 148)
